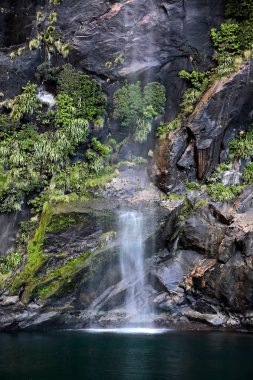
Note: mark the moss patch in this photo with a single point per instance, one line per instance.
(56, 279)
(63, 221)
(35, 256)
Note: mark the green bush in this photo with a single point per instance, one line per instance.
(102, 149)
(248, 174)
(25, 104)
(193, 186)
(128, 104)
(198, 80)
(220, 169)
(155, 97)
(29, 158)
(10, 262)
(239, 9)
(221, 193)
(164, 129)
(86, 93)
(143, 128)
(242, 146)
(226, 38)
(133, 105)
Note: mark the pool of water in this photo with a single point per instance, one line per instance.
(125, 355)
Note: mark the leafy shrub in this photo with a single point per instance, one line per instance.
(241, 10)
(201, 203)
(102, 149)
(85, 92)
(132, 104)
(155, 97)
(226, 39)
(46, 73)
(193, 186)
(164, 129)
(199, 82)
(26, 103)
(220, 169)
(128, 104)
(242, 146)
(30, 158)
(10, 262)
(221, 193)
(248, 174)
(143, 128)
(189, 99)
(196, 78)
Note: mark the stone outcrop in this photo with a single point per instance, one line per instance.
(192, 154)
(115, 40)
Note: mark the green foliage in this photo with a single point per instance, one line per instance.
(221, 193)
(201, 203)
(226, 38)
(220, 169)
(128, 104)
(46, 73)
(234, 39)
(164, 129)
(189, 100)
(119, 59)
(175, 197)
(239, 9)
(61, 222)
(136, 108)
(143, 128)
(12, 55)
(52, 18)
(131, 103)
(40, 16)
(199, 82)
(102, 149)
(85, 92)
(32, 160)
(26, 103)
(155, 97)
(34, 44)
(242, 146)
(10, 262)
(13, 260)
(248, 174)
(20, 51)
(55, 2)
(193, 186)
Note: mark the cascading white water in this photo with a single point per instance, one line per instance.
(134, 21)
(132, 263)
(45, 97)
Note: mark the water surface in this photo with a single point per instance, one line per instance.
(74, 355)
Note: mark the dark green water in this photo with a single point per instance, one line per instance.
(74, 355)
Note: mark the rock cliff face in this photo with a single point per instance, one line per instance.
(191, 154)
(115, 40)
(199, 264)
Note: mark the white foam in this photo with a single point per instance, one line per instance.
(128, 330)
(45, 97)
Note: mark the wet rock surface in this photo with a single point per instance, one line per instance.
(193, 153)
(199, 261)
(115, 40)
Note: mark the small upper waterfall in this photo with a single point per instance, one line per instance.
(45, 97)
(132, 263)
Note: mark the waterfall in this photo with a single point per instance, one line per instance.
(138, 60)
(132, 263)
(45, 97)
